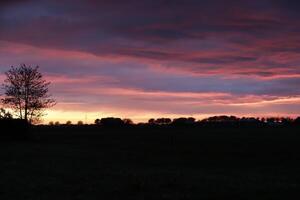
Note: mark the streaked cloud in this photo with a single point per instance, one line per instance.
(193, 57)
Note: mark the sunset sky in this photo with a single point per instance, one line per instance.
(140, 59)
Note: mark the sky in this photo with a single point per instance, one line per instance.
(144, 59)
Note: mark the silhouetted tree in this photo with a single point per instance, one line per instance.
(5, 114)
(111, 122)
(68, 123)
(57, 123)
(151, 121)
(51, 123)
(183, 121)
(80, 123)
(26, 92)
(97, 122)
(163, 121)
(222, 118)
(286, 121)
(224, 121)
(160, 121)
(297, 121)
(128, 121)
(271, 120)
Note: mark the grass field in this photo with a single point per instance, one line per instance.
(87, 163)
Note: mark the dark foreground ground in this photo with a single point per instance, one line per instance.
(86, 163)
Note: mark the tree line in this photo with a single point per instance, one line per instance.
(215, 121)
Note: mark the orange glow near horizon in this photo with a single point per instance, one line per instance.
(89, 117)
(143, 116)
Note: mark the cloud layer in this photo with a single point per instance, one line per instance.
(141, 58)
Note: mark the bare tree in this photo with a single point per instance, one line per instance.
(26, 92)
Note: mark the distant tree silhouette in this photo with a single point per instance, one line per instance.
(97, 121)
(111, 122)
(249, 122)
(80, 123)
(128, 121)
(57, 123)
(222, 118)
(51, 123)
(68, 123)
(297, 121)
(151, 121)
(163, 121)
(5, 114)
(286, 121)
(183, 121)
(271, 121)
(26, 92)
(221, 121)
(160, 121)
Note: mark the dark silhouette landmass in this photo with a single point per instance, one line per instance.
(220, 157)
(14, 129)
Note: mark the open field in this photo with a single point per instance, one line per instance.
(90, 163)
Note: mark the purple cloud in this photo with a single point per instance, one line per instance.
(246, 50)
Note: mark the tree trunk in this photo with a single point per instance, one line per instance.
(26, 113)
